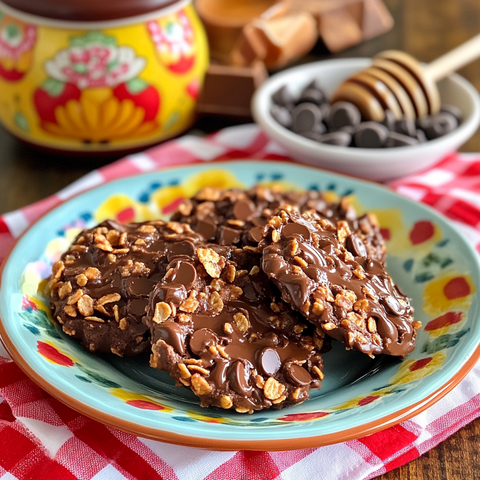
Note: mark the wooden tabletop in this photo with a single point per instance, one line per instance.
(424, 28)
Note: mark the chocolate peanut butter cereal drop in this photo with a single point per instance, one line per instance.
(100, 286)
(237, 217)
(216, 330)
(325, 273)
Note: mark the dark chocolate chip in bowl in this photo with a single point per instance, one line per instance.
(398, 140)
(348, 128)
(269, 361)
(281, 115)
(440, 125)
(389, 120)
(312, 95)
(343, 114)
(318, 130)
(453, 110)
(405, 126)
(325, 109)
(420, 136)
(283, 97)
(339, 138)
(305, 116)
(316, 85)
(371, 135)
(297, 374)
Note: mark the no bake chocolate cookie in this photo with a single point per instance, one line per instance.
(100, 286)
(237, 217)
(324, 272)
(219, 329)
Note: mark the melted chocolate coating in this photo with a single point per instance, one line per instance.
(324, 272)
(237, 217)
(100, 286)
(230, 339)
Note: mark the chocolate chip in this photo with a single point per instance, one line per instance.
(316, 84)
(171, 293)
(281, 115)
(355, 245)
(292, 229)
(173, 334)
(312, 95)
(238, 378)
(184, 248)
(325, 109)
(256, 234)
(440, 125)
(348, 128)
(305, 116)
(343, 114)
(297, 374)
(269, 361)
(420, 136)
(137, 307)
(453, 110)
(138, 286)
(207, 228)
(398, 140)
(243, 209)
(339, 138)
(389, 120)
(318, 130)
(283, 97)
(371, 135)
(405, 126)
(201, 340)
(184, 274)
(228, 236)
(393, 305)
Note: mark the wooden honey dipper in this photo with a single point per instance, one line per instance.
(398, 82)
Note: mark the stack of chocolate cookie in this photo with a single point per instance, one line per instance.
(237, 295)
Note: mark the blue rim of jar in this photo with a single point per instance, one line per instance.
(92, 24)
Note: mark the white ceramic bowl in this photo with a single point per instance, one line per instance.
(374, 164)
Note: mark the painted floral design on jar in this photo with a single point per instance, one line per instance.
(17, 40)
(174, 40)
(94, 93)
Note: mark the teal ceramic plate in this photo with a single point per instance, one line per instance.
(427, 258)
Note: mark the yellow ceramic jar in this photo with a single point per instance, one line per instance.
(99, 83)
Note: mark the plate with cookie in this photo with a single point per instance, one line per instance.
(251, 305)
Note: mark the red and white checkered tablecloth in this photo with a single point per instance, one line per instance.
(40, 438)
